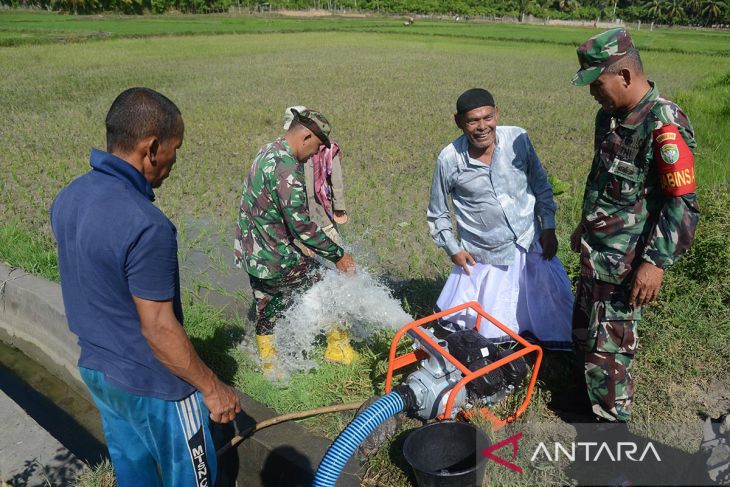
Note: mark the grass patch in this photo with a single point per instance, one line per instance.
(99, 475)
(709, 107)
(682, 367)
(19, 27)
(27, 250)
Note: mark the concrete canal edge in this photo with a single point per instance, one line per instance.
(32, 319)
(29, 455)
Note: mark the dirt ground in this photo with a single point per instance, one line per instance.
(712, 399)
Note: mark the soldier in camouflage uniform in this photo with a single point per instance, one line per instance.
(273, 212)
(639, 214)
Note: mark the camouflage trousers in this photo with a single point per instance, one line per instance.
(604, 330)
(274, 296)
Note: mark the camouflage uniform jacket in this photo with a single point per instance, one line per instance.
(627, 216)
(273, 212)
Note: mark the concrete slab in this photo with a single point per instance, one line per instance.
(29, 455)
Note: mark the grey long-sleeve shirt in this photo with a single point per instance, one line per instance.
(497, 206)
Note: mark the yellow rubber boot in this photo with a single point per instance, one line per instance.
(339, 349)
(267, 352)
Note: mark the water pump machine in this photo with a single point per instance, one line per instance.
(458, 376)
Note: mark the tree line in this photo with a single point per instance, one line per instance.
(672, 12)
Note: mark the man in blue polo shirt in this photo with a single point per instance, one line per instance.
(117, 255)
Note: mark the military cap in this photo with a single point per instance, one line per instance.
(316, 122)
(599, 52)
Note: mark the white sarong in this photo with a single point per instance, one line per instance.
(532, 297)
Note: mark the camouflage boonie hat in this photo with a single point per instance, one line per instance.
(316, 122)
(599, 52)
(289, 116)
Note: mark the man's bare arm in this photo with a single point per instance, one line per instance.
(173, 348)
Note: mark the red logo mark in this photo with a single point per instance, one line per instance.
(488, 452)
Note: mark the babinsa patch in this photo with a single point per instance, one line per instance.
(670, 153)
(674, 161)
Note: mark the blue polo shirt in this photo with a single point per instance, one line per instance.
(113, 243)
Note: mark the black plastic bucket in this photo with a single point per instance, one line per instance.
(447, 454)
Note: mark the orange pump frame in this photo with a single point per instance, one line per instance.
(398, 362)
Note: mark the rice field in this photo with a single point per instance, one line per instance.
(389, 93)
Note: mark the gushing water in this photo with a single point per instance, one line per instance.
(359, 304)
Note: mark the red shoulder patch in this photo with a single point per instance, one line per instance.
(674, 161)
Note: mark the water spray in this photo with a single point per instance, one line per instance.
(361, 302)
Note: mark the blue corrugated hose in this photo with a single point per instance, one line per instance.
(347, 442)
